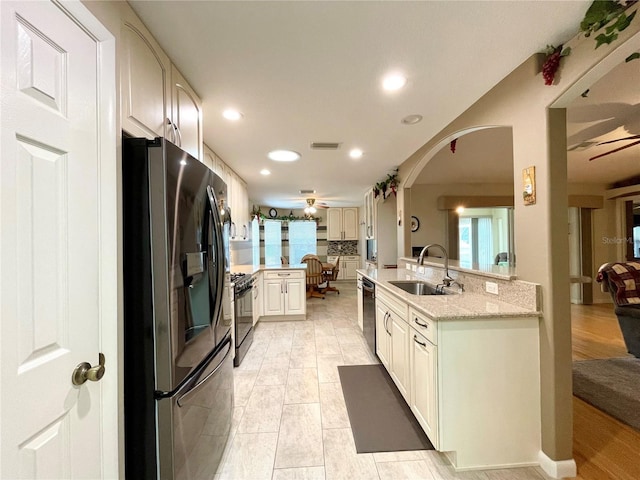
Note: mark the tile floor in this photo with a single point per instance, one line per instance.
(290, 419)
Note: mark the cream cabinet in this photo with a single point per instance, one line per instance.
(383, 334)
(348, 266)
(394, 323)
(145, 78)
(456, 373)
(360, 300)
(284, 293)
(208, 157)
(342, 223)
(239, 203)
(186, 115)
(369, 216)
(156, 99)
(256, 298)
(423, 367)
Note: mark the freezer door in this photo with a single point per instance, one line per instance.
(194, 424)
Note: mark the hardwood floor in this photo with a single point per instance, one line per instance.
(603, 447)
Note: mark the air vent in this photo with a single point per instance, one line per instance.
(325, 145)
(307, 192)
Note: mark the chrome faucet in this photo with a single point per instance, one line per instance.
(447, 279)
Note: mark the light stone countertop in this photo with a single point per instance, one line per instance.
(443, 307)
(252, 269)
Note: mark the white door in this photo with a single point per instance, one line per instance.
(59, 242)
(334, 224)
(350, 223)
(296, 300)
(273, 295)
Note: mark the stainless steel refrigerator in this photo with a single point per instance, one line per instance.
(178, 368)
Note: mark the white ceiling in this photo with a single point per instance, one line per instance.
(305, 71)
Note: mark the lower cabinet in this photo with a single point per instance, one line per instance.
(399, 353)
(284, 293)
(383, 335)
(423, 368)
(457, 374)
(348, 266)
(360, 305)
(256, 293)
(392, 334)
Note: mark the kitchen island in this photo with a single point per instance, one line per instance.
(466, 363)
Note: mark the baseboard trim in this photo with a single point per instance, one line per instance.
(557, 468)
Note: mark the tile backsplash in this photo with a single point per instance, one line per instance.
(345, 247)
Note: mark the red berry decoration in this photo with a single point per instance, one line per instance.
(552, 63)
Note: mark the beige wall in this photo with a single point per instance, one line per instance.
(522, 102)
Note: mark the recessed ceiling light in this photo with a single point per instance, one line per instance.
(264, 171)
(355, 153)
(394, 82)
(231, 114)
(411, 119)
(460, 210)
(283, 155)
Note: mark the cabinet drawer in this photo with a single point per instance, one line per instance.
(351, 257)
(423, 324)
(284, 274)
(398, 306)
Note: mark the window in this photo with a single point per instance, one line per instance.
(483, 236)
(302, 239)
(272, 242)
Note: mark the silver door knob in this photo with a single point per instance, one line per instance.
(84, 371)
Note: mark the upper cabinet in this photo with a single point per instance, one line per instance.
(369, 215)
(156, 99)
(145, 76)
(186, 115)
(342, 223)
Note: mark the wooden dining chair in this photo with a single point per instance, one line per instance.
(315, 278)
(332, 275)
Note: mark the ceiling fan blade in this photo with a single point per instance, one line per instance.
(620, 139)
(615, 150)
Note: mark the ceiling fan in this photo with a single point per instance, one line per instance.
(311, 206)
(632, 137)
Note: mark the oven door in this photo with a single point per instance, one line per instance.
(243, 323)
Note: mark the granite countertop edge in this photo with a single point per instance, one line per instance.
(446, 307)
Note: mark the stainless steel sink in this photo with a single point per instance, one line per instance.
(416, 287)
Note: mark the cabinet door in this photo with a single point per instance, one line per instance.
(334, 224)
(295, 297)
(424, 393)
(273, 294)
(186, 114)
(255, 292)
(208, 158)
(350, 223)
(348, 268)
(382, 336)
(399, 354)
(145, 72)
(360, 306)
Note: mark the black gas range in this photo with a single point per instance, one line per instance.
(243, 314)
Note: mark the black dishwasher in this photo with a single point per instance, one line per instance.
(369, 313)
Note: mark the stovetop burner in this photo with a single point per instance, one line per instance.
(236, 276)
(241, 281)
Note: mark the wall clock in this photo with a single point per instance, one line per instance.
(273, 213)
(415, 224)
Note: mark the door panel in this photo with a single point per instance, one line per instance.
(53, 239)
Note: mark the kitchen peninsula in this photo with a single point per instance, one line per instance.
(467, 363)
